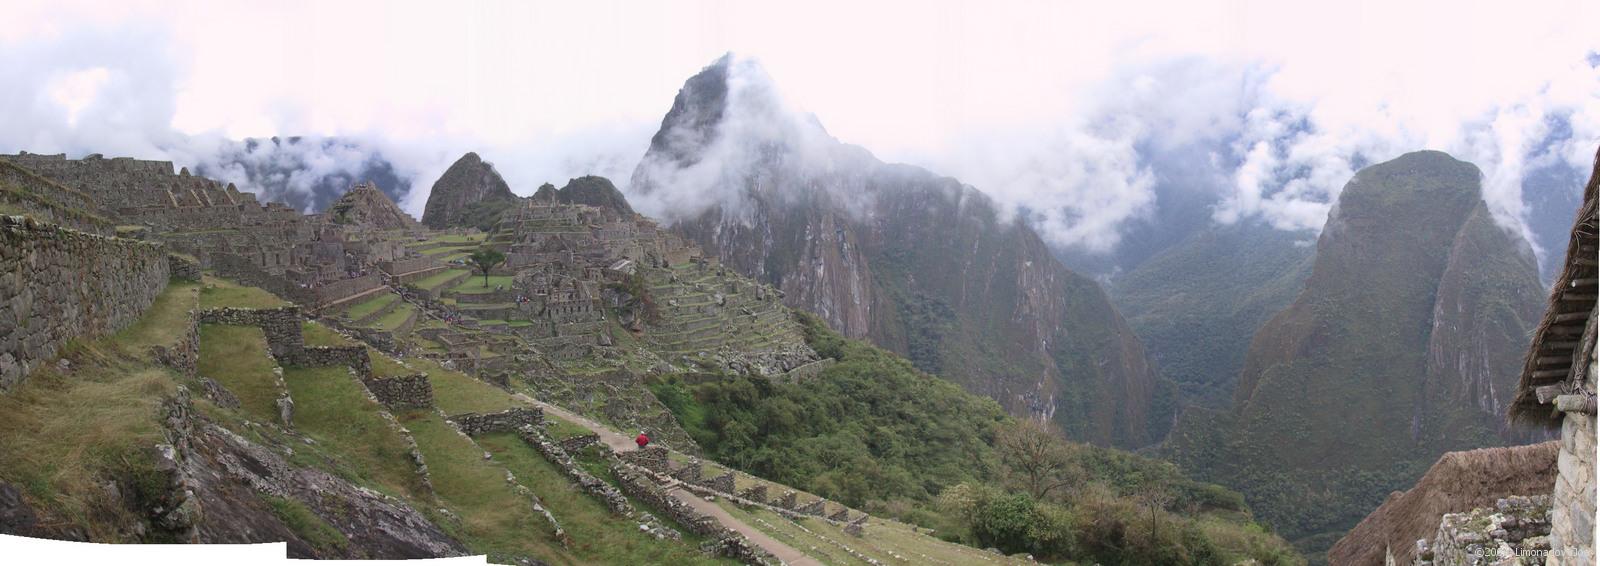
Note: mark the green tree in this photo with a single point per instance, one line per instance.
(484, 260)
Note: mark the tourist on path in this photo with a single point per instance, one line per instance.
(642, 440)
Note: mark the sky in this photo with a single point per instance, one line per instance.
(1069, 109)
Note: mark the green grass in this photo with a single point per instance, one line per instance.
(456, 239)
(474, 285)
(495, 519)
(457, 393)
(318, 335)
(395, 318)
(560, 429)
(63, 436)
(237, 357)
(385, 366)
(598, 536)
(306, 523)
(332, 409)
(224, 293)
(438, 279)
(371, 305)
(166, 320)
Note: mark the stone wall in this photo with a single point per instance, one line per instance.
(653, 458)
(405, 392)
(608, 495)
(281, 326)
(579, 442)
(474, 424)
(183, 355)
(183, 268)
(723, 541)
(58, 284)
(346, 288)
(241, 269)
(1516, 527)
(1572, 512)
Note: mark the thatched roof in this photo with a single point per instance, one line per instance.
(1458, 482)
(1565, 337)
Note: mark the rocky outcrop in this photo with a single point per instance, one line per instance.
(235, 480)
(366, 207)
(919, 264)
(470, 193)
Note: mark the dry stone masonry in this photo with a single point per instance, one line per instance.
(474, 424)
(1514, 532)
(58, 284)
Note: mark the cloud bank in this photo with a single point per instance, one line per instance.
(1086, 117)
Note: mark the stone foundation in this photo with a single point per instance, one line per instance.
(653, 458)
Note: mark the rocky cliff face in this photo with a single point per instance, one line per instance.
(917, 263)
(470, 193)
(367, 207)
(1400, 347)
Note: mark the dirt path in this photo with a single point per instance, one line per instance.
(620, 442)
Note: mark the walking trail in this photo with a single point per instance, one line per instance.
(621, 443)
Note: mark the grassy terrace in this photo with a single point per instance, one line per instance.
(456, 239)
(332, 409)
(439, 279)
(394, 318)
(318, 335)
(166, 320)
(494, 518)
(224, 293)
(64, 435)
(598, 536)
(475, 285)
(371, 305)
(457, 393)
(237, 357)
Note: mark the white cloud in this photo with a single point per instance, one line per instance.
(1059, 107)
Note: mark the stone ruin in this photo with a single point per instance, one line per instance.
(1515, 531)
(474, 424)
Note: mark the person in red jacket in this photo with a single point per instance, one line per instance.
(642, 440)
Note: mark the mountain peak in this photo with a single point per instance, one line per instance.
(469, 192)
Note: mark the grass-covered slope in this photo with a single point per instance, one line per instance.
(875, 433)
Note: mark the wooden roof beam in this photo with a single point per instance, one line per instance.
(1551, 373)
(1570, 316)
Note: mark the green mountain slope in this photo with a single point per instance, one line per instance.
(1395, 351)
(1197, 304)
(914, 262)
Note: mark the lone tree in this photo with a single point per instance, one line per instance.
(1036, 457)
(485, 260)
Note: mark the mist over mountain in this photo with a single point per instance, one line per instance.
(1402, 344)
(307, 173)
(917, 263)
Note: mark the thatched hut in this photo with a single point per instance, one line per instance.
(1557, 388)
